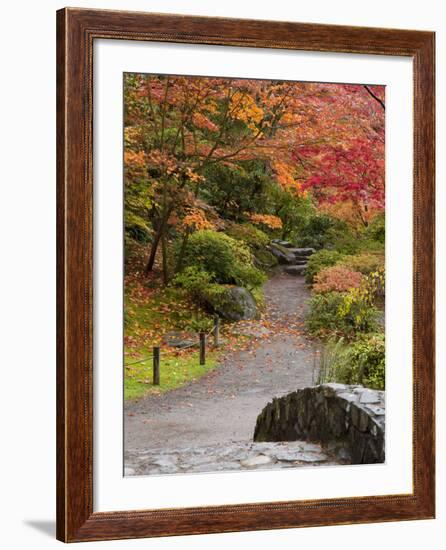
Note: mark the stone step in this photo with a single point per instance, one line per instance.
(290, 256)
(282, 254)
(302, 252)
(285, 244)
(230, 456)
(295, 269)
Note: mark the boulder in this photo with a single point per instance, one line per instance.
(282, 254)
(236, 304)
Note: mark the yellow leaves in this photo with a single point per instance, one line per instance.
(132, 136)
(273, 222)
(364, 296)
(243, 107)
(285, 177)
(211, 107)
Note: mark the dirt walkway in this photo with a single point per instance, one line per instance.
(223, 406)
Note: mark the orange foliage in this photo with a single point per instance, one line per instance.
(135, 163)
(273, 222)
(285, 177)
(202, 121)
(193, 176)
(135, 158)
(350, 213)
(196, 220)
(336, 279)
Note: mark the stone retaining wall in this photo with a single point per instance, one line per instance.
(348, 419)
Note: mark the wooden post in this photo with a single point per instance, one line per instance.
(156, 366)
(216, 331)
(202, 348)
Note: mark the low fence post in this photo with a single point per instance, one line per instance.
(156, 366)
(216, 331)
(202, 348)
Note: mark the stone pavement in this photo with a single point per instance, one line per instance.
(230, 456)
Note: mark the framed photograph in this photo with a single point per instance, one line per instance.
(245, 275)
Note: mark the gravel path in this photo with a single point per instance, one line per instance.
(222, 407)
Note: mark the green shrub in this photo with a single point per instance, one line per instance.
(374, 286)
(264, 259)
(376, 230)
(346, 242)
(323, 314)
(199, 322)
(370, 246)
(323, 231)
(364, 263)
(256, 240)
(136, 228)
(253, 237)
(338, 313)
(368, 358)
(228, 260)
(214, 295)
(319, 260)
(194, 281)
(358, 311)
(359, 362)
(200, 287)
(315, 231)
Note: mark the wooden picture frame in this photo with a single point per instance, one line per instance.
(76, 31)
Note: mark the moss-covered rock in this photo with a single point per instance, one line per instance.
(233, 303)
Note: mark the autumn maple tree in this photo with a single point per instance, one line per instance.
(350, 169)
(322, 139)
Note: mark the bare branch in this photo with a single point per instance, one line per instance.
(375, 97)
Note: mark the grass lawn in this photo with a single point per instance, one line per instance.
(151, 312)
(174, 372)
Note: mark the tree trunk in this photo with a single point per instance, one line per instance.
(159, 233)
(153, 249)
(164, 253)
